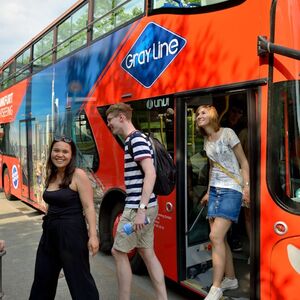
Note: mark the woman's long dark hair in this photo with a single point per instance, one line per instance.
(51, 169)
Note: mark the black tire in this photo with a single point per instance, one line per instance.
(7, 186)
(115, 213)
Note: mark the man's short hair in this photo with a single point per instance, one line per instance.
(118, 108)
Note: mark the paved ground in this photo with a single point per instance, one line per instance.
(20, 226)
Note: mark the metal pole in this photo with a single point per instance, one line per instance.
(196, 220)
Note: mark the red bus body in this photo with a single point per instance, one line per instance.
(218, 63)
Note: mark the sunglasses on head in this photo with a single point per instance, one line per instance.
(62, 138)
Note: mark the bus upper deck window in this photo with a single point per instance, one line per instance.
(185, 3)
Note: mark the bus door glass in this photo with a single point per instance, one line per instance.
(26, 130)
(232, 111)
(198, 254)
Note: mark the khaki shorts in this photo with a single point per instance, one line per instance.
(140, 239)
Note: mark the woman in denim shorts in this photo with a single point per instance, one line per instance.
(228, 185)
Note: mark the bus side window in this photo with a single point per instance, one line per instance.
(1, 138)
(157, 120)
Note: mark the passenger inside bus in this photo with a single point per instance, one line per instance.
(168, 118)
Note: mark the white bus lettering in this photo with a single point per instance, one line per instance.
(161, 102)
(7, 99)
(159, 50)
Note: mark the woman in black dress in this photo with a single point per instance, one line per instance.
(66, 242)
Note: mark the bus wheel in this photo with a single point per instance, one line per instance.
(137, 264)
(7, 186)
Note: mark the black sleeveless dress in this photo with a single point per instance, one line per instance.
(63, 245)
(63, 202)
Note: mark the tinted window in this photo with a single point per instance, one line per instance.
(8, 139)
(110, 14)
(155, 116)
(42, 54)
(7, 78)
(72, 33)
(88, 154)
(22, 65)
(284, 144)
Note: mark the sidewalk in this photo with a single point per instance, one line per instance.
(17, 212)
(21, 228)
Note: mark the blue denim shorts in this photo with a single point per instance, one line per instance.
(224, 203)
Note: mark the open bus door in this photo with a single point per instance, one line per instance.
(280, 193)
(196, 265)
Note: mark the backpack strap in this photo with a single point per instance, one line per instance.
(228, 173)
(130, 150)
(130, 147)
(153, 149)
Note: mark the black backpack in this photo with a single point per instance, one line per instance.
(164, 166)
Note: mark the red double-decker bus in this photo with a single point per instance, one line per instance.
(165, 58)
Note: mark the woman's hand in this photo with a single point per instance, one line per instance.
(93, 245)
(204, 199)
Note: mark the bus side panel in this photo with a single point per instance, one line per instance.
(280, 267)
(165, 235)
(279, 236)
(10, 101)
(285, 269)
(201, 55)
(13, 167)
(287, 34)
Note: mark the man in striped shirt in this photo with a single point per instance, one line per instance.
(141, 202)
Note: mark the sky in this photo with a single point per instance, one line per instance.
(21, 20)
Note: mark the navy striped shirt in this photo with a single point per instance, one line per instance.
(134, 178)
